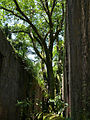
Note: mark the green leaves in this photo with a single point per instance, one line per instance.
(59, 105)
(34, 10)
(24, 103)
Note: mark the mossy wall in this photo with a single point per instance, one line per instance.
(15, 82)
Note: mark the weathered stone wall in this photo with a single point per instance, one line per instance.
(77, 60)
(15, 82)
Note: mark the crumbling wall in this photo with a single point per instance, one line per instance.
(77, 59)
(14, 81)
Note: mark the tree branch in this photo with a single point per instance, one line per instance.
(52, 38)
(41, 44)
(47, 11)
(45, 19)
(38, 41)
(46, 35)
(42, 14)
(54, 3)
(19, 10)
(25, 17)
(46, 2)
(36, 50)
(15, 31)
(61, 23)
(43, 6)
(12, 13)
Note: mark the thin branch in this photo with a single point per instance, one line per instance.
(46, 35)
(45, 19)
(46, 2)
(37, 52)
(35, 48)
(18, 31)
(54, 3)
(38, 41)
(47, 12)
(42, 14)
(13, 13)
(19, 10)
(43, 6)
(15, 31)
(61, 23)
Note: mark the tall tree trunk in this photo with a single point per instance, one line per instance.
(51, 79)
(43, 70)
(59, 65)
(77, 70)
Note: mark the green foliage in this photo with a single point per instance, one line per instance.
(25, 109)
(59, 105)
(34, 11)
(52, 117)
(58, 56)
(24, 106)
(31, 67)
(68, 119)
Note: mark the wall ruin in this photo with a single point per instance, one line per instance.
(15, 82)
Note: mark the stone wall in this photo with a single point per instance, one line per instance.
(15, 82)
(77, 59)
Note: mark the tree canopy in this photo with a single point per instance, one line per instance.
(40, 22)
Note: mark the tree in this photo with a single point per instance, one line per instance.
(42, 21)
(77, 59)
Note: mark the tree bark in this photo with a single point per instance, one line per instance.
(50, 76)
(77, 60)
(51, 79)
